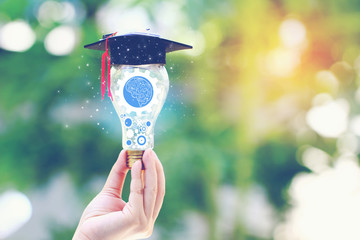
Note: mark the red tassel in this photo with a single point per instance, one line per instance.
(103, 75)
(105, 57)
(108, 77)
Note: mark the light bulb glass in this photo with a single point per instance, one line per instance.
(139, 92)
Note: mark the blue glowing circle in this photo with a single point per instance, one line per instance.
(128, 142)
(148, 123)
(128, 122)
(141, 140)
(143, 129)
(138, 91)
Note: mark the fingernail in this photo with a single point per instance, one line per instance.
(121, 151)
(148, 152)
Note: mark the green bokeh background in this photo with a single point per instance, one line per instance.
(210, 132)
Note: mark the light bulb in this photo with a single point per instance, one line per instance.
(139, 92)
(139, 84)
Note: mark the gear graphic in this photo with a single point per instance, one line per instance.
(121, 84)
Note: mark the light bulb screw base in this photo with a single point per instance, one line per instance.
(132, 156)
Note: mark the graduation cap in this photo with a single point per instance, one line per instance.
(137, 48)
(133, 49)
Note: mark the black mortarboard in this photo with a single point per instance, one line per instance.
(137, 48)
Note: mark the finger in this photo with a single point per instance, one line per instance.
(161, 187)
(136, 187)
(150, 182)
(115, 181)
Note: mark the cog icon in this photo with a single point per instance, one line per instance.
(141, 140)
(137, 91)
(128, 122)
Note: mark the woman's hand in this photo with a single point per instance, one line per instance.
(108, 217)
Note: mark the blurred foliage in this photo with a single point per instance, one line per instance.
(280, 154)
(218, 125)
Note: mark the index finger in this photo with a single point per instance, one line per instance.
(115, 181)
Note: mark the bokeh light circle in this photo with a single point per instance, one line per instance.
(292, 33)
(17, 36)
(61, 40)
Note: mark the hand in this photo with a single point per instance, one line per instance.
(109, 217)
